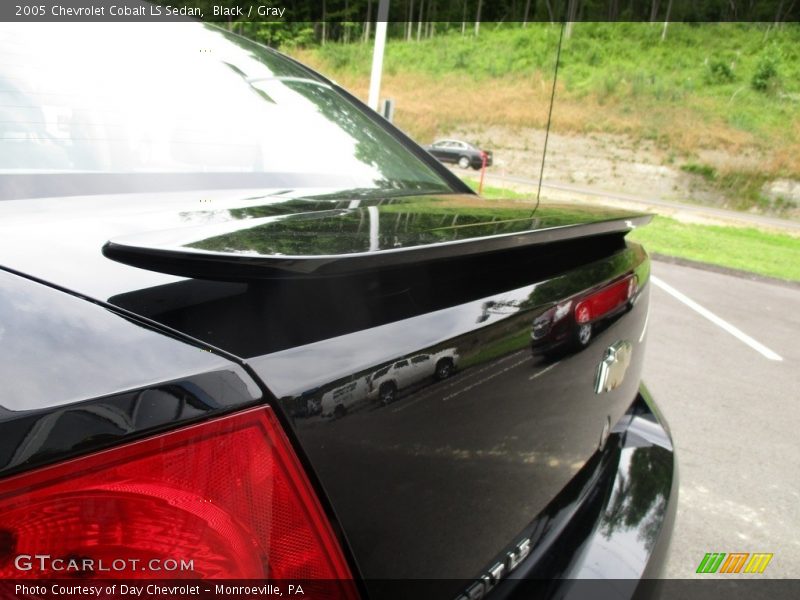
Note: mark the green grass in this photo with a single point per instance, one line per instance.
(497, 193)
(707, 172)
(600, 57)
(764, 253)
(751, 250)
(743, 189)
(740, 77)
(727, 87)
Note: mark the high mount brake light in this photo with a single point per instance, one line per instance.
(226, 499)
(600, 303)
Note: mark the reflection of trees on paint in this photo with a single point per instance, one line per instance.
(274, 62)
(394, 166)
(352, 230)
(288, 207)
(398, 169)
(328, 226)
(639, 500)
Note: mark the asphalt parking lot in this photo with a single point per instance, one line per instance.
(732, 404)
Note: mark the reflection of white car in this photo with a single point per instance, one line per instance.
(339, 400)
(385, 383)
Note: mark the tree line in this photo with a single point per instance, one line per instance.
(322, 21)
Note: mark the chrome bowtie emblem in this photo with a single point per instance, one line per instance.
(611, 370)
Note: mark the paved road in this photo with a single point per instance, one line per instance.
(653, 204)
(734, 413)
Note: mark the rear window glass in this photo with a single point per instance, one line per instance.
(94, 99)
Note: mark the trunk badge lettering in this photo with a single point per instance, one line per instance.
(499, 571)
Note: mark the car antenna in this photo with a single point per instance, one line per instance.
(549, 115)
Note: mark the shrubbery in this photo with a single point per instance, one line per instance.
(765, 77)
(728, 86)
(720, 72)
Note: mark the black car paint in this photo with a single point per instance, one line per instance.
(599, 515)
(330, 239)
(78, 376)
(370, 472)
(476, 455)
(422, 487)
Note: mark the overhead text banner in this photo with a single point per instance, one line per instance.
(349, 11)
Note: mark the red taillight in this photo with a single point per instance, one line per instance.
(229, 495)
(605, 300)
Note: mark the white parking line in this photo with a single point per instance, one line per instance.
(485, 379)
(542, 372)
(646, 321)
(422, 395)
(734, 331)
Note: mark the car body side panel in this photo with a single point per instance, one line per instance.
(438, 481)
(78, 376)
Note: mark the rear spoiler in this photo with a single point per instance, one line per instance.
(348, 241)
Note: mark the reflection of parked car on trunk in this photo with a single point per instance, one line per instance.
(338, 401)
(570, 323)
(461, 153)
(387, 382)
(306, 405)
